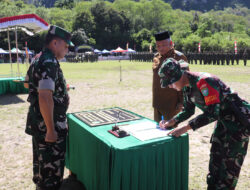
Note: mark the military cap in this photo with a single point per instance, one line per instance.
(162, 36)
(61, 33)
(170, 72)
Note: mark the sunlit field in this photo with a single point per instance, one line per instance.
(102, 85)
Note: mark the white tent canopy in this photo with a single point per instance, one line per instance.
(105, 51)
(14, 50)
(131, 50)
(97, 51)
(3, 51)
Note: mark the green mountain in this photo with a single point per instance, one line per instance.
(206, 5)
(109, 25)
(201, 5)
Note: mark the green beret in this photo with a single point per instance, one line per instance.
(170, 72)
(61, 33)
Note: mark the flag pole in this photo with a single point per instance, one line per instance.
(18, 70)
(8, 33)
(27, 55)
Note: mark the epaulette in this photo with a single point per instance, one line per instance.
(178, 53)
(156, 54)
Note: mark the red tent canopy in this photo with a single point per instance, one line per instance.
(119, 50)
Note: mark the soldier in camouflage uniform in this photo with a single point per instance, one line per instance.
(245, 56)
(201, 55)
(218, 103)
(166, 102)
(46, 120)
(227, 56)
(237, 58)
(218, 58)
(232, 57)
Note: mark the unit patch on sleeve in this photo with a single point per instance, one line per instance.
(211, 95)
(204, 91)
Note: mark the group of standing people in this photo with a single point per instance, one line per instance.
(176, 92)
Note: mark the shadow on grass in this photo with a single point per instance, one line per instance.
(7, 99)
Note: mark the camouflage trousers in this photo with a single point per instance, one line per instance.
(48, 163)
(227, 154)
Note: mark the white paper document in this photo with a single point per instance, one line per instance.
(144, 131)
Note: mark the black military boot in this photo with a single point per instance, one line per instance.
(48, 188)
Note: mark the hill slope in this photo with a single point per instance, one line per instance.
(201, 5)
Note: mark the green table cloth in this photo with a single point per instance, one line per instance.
(102, 161)
(7, 85)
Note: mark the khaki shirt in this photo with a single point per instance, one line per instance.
(165, 99)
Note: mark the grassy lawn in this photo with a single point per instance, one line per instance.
(101, 85)
(236, 73)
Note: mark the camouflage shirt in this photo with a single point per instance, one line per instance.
(45, 73)
(215, 99)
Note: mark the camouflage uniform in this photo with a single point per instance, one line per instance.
(165, 100)
(245, 56)
(48, 158)
(231, 134)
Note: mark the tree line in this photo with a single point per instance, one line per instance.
(204, 5)
(107, 25)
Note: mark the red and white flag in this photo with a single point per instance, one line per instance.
(199, 47)
(150, 48)
(235, 47)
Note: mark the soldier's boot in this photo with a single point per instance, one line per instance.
(210, 183)
(48, 188)
(71, 183)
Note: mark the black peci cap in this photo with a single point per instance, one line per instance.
(162, 36)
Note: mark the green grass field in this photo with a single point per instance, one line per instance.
(232, 73)
(101, 85)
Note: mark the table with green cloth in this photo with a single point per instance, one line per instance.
(101, 161)
(7, 85)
